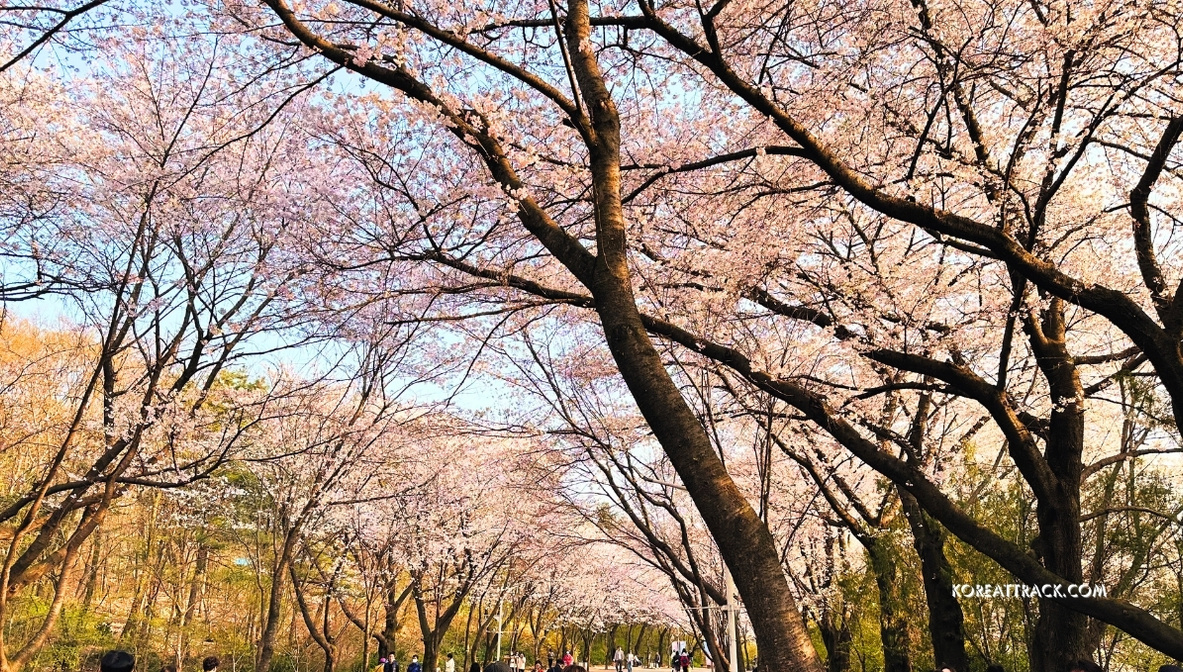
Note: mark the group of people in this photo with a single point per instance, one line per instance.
(516, 662)
(679, 660)
(391, 664)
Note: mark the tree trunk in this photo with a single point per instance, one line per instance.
(946, 622)
(271, 622)
(1061, 634)
(394, 602)
(321, 634)
(837, 638)
(743, 539)
(893, 628)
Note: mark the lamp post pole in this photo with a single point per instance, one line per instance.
(732, 626)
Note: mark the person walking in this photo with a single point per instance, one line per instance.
(450, 665)
(415, 665)
(568, 659)
(618, 658)
(628, 661)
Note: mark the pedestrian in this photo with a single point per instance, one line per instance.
(475, 667)
(684, 660)
(450, 665)
(210, 664)
(567, 659)
(168, 668)
(1170, 668)
(387, 664)
(117, 661)
(513, 661)
(618, 658)
(497, 666)
(415, 666)
(628, 661)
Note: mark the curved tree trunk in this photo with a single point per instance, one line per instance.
(743, 539)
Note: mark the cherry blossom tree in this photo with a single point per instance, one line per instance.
(838, 204)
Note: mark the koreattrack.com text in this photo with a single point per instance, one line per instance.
(1020, 591)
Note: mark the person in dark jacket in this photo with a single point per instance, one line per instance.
(415, 666)
(117, 661)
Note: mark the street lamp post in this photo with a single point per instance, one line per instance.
(732, 626)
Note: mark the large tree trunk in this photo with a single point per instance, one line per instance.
(743, 539)
(946, 622)
(433, 637)
(390, 624)
(1061, 634)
